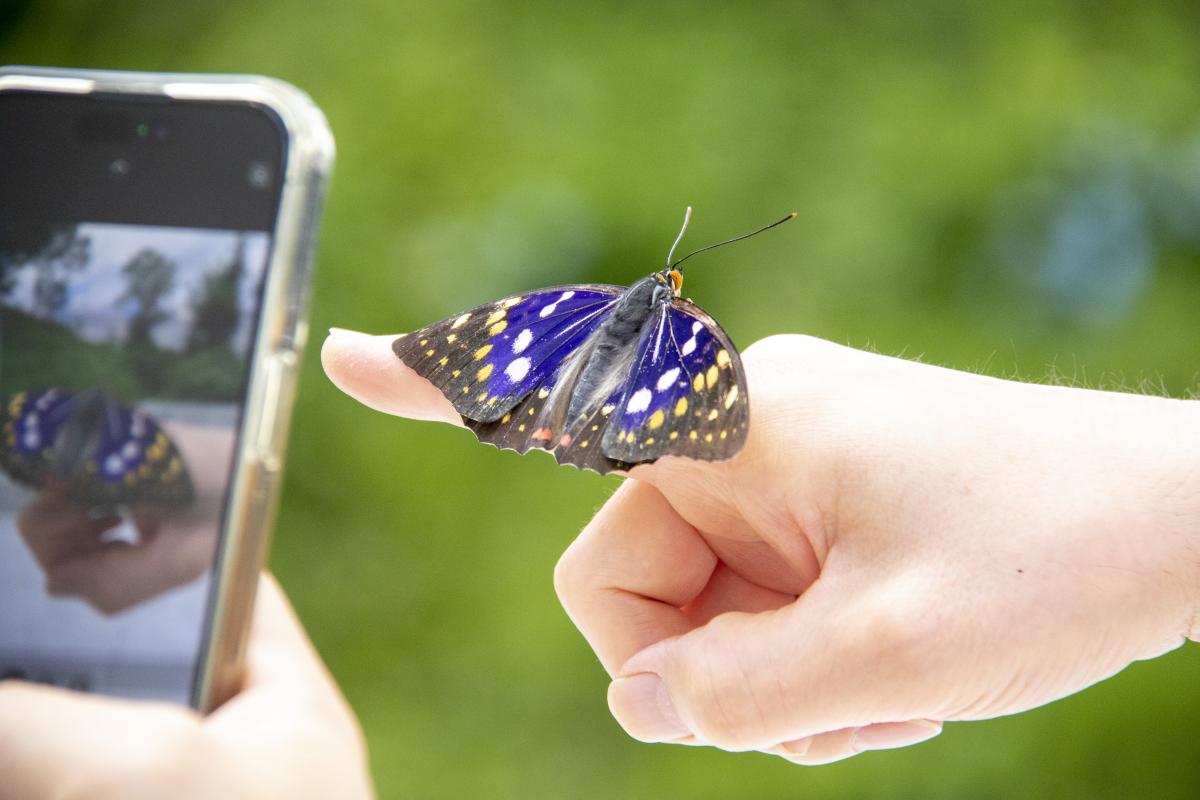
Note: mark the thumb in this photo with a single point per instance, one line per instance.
(364, 367)
(753, 681)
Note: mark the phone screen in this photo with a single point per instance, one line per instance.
(134, 240)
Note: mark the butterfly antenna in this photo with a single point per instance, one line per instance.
(790, 216)
(687, 217)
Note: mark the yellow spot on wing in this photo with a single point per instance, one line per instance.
(722, 358)
(428, 352)
(608, 409)
(443, 361)
(656, 420)
(543, 393)
(458, 323)
(521, 427)
(712, 376)
(698, 382)
(482, 397)
(452, 338)
(498, 327)
(681, 407)
(724, 434)
(510, 302)
(506, 418)
(485, 371)
(583, 443)
(495, 317)
(674, 435)
(708, 437)
(650, 440)
(482, 352)
(456, 373)
(692, 435)
(731, 398)
(424, 342)
(712, 414)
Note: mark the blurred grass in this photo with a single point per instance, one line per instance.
(487, 148)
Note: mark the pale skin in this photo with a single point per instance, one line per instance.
(287, 733)
(897, 545)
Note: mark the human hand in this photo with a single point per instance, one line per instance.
(173, 547)
(287, 733)
(896, 545)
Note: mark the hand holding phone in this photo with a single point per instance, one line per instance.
(287, 733)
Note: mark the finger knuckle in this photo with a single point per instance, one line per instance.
(728, 706)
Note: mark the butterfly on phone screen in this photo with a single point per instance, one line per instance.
(603, 376)
(103, 453)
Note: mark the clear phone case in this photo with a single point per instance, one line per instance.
(254, 487)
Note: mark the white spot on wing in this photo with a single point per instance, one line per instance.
(689, 346)
(696, 326)
(522, 341)
(550, 309)
(666, 379)
(517, 369)
(639, 402)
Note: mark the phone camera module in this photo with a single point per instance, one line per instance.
(148, 131)
(259, 175)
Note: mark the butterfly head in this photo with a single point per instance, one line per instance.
(671, 278)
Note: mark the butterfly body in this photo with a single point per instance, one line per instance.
(101, 452)
(603, 376)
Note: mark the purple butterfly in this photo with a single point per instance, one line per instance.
(104, 454)
(604, 376)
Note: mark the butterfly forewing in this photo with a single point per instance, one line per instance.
(488, 359)
(29, 424)
(686, 392)
(136, 462)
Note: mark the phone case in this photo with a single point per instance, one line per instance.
(262, 440)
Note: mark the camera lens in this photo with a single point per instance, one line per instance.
(119, 168)
(259, 175)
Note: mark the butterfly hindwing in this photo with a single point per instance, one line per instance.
(489, 359)
(135, 463)
(685, 394)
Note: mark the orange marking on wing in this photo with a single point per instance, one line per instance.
(542, 433)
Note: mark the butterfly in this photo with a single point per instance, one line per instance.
(603, 376)
(104, 454)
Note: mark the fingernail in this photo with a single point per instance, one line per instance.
(798, 747)
(887, 735)
(643, 707)
(340, 332)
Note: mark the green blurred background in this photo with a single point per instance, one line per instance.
(1011, 188)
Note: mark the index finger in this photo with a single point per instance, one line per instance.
(364, 367)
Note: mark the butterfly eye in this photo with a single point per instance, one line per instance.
(676, 280)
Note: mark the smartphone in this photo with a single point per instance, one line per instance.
(156, 239)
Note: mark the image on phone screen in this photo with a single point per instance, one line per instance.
(124, 351)
(131, 274)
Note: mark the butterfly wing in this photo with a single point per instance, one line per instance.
(488, 360)
(117, 456)
(30, 422)
(685, 394)
(134, 462)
